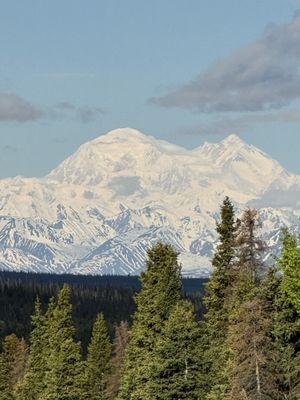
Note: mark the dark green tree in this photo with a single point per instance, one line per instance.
(64, 369)
(161, 289)
(98, 364)
(217, 302)
(287, 316)
(32, 384)
(176, 370)
(289, 263)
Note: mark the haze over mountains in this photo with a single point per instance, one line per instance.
(101, 208)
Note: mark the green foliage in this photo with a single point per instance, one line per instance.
(287, 316)
(32, 384)
(161, 289)
(5, 387)
(91, 295)
(289, 263)
(98, 364)
(176, 369)
(285, 329)
(218, 304)
(64, 366)
(218, 286)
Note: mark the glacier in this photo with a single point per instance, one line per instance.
(101, 209)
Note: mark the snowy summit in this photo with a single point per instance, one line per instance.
(116, 195)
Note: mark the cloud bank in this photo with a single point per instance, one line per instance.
(14, 108)
(262, 75)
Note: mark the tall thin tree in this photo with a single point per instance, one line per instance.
(98, 364)
(217, 301)
(161, 289)
(64, 374)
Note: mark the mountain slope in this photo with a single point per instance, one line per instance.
(102, 207)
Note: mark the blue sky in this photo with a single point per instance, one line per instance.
(185, 71)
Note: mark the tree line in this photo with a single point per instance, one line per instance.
(111, 295)
(246, 347)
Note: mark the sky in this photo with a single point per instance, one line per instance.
(186, 71)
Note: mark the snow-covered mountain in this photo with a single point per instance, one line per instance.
(102, 207)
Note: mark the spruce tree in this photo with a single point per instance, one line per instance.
(289, 263)
(32, 384)
(286, 333)
(176, 370)
(161, 289)
(217, 300)
(252, 370)
(98, 360)
(120, 344)
(5, 386)
(64, 369)
(287, 316)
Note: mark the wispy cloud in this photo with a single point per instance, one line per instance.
(83, 114)
(262, 75)
(14, 108)
(244, 122)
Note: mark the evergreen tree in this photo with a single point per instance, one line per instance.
(98, 360)
(64, 369)
(120, 344)
(177, 361)
(286, 333)
(32, 384)
(5, 386)
(161, 289)
(216, 300)
(289, 263)
(252, 374)
(287, 316)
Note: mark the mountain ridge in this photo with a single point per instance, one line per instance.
(100, 209)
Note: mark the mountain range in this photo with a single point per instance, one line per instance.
(101, 208)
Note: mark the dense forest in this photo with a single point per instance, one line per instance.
(111, 295)
(246, 346)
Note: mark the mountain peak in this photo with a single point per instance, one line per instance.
(233, 139)
(123, 134)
